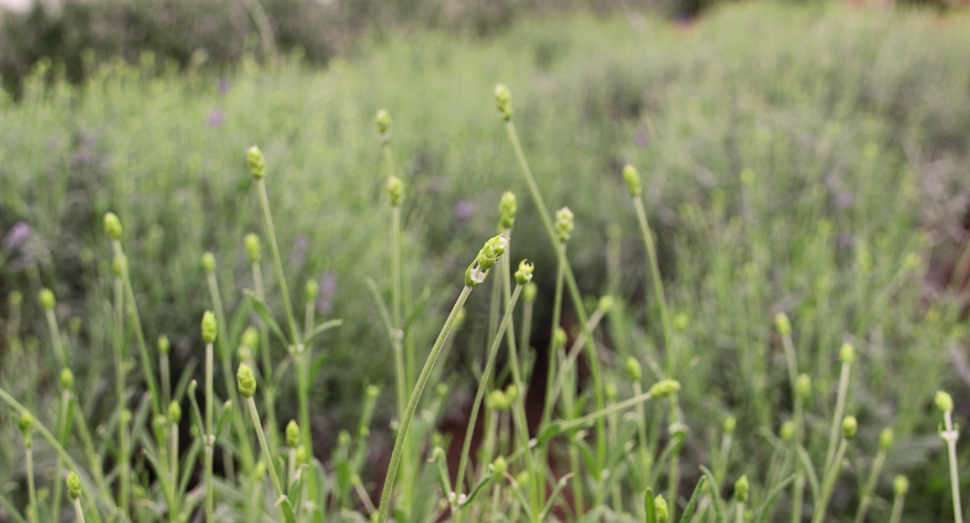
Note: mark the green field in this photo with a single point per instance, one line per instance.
(811, 160)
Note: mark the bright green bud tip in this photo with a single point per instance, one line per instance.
(900, 485)
(383, 122)
(116, 264)
(124, 417)
(787, 431)
(524, 274)
(499, 467)
(257, 164)
(611, 391)
(395, 190)
(209, 328)
(174, 413)
(605, 305)
(783, 324)
(512, 392)
(301, 456)
(559, 338)
(530, 292)
(259, 471)
(73, 485)
(503, 101)
(208, 262)
(886, 439)
(633, 369)
(253, 247)
(849, 427)
(497, 400)
(847, 353)
(164, 347)
(246, 381)
(730, 424)
(741, 489)
(26, 423)
(250, 337)
(486, 259)
(664, 388)
(112, 225)
(507, 208)
(47, 299)
(312, 290)
(681, 321)
(67, 379)
(160, 422)
(632, 179)
(373, 391)
(292, 434)
(660, 506)
(564, 224)
(944, 401)
(803, 385)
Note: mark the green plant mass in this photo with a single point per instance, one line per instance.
(587, 268)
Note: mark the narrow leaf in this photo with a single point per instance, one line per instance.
(267, 316)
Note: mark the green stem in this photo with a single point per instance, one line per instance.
(209, 434)
(61, 428)
(413, 405)
(897, 513)
(78, 511)
(284, 502)
(269, 395)
(870, 486)
(121, 373)
(31, 489)
(828, 485)
(277, 261)
(951, 437)
(837, 416)
(657, 288)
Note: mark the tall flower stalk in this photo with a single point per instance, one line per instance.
(950, 434)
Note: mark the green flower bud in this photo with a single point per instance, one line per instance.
(499, 467)
(112, 225)
(522, 479)
(442, 390)
(302, 458)
(312, 291)
(253, 247)
(383, 121)
(606, 304)
(373, 391)
(117, 264)
(47, 299)
(507, 208)
(208, 263)
(15, 298)
(787, 431)
(174, 412)
(497, 400)
(849, 427)
(259, 471)
(847, 353)
(900, 485)
(611, 391)
(886, 439)
(783, 324)
(293, 434)
(124, 418)
(67, 379)
(26, 423)
(250, 337)
(730, 424)
(73, 485)
(633, 369)
(559, 338)
(741, 487)
(486, 259)
(564, 224)
(524, 274)
(944, 401)
(512, 392)
(395, 190)
(660, 506)
(210, 329)
(681, 321)
(160, 422)
(632, 178)
(503, 101)
(529, 292)
(803, 385)
(664, 388)
(164, 347)
(246, 381)
(257, 164)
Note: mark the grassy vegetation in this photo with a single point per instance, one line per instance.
(809, 162)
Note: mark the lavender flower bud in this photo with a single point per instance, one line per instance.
(632, 178)
(112, 225)
(47, 299)
(564, 224)
(252, 247)
(210, 329)
(507, 208)
(246, 381)
(257, 164)
(503, 101)
(73, 485)
(524, 274)
(208, 263)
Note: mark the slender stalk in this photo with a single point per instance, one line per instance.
(658, 289)
(839, 411)
(898, 501)
(166, 378)
(951, 436)
(556, 313)
(482, 387)
(739, 513)
(413, 405)
(828, 484)
(269, 393)
(31, 489)
(209, 435)
(798, 497)
(62, 435)
(78, 511)
(870, 486)
(277, 261)
(121, 378)
(274, 477)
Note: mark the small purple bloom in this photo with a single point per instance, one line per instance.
(464, 209)
(17, 235)
(224, 85)
(216, 118)
(327, 291)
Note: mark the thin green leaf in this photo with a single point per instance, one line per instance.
(651, 506)
(477, 490)
(323, 327)
(715, 495)
(764, 512)
(381, 306)
(418, 308)
(226, 413)
(317, 367)
(810, 471)
(267, 316)
(688, 514)
(555, 494)
(11, 511)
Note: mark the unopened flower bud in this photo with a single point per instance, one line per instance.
(124, 418)
(47, 299)
(503, 101)
(559, 338)
(524, 274)
(383, 122)
(302, 457)
(944, 401)
(395, 190)
(250, 337)
(208, 263)
(741, 487)
(499, 467)
(886, 439)
(611, 391)
(257, 164)
(564, 224)
(259, 471)
(730, 424)
(26, 423)
(849, 427)
(512, 392)
(246, 381)
(164, 347)
(373, 391)
(174, 412)
(633, 369)
(900, 485)
(112, 225)
(803, 385)
(210, 329)
(847, 353)
(529, 292)
(497, 400)
(783, 324)
(632, 179)
(67, 379)
(312, 291)
(787, 431)
(507, 208)
(606, 304)
(160, 422)
(660, 506)
(73, 485)
(253, 247)
(292, 434)
(664, 388)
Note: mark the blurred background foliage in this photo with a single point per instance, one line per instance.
(810, 159)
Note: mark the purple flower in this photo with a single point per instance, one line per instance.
(224, 85)
(216, 118)
(327, 291)
(464, 209)
(17, 235)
